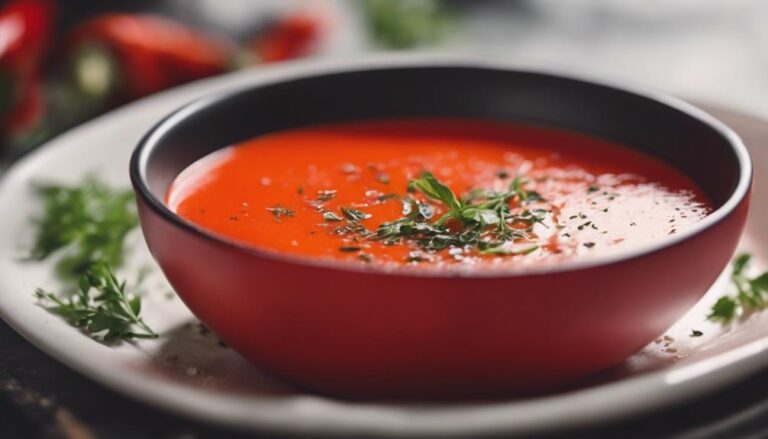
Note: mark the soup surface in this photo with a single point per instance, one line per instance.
(436, 192)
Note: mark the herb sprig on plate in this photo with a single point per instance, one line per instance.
(751, 293)
(102, 307)
(86, 224)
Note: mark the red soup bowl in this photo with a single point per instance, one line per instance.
(369, 332)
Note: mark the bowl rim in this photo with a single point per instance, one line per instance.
(140, 159)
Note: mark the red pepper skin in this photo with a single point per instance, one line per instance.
(25, 29)
(290, 37)
(153, 53)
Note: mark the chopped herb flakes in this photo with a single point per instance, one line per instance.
(500, 250)
(331, 217)
(326, 195)
(416, 257)
(354, 214)
(279, 212)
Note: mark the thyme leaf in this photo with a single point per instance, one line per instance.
(354, 214)
(278, 211)
(500, 250)
(331, 217)
(433, 188)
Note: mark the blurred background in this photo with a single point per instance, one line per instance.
(64, 62)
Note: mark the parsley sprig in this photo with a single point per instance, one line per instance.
(101, 307)
(751, 293)
(483, 218)
(87, 224)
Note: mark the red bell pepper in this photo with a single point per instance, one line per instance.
(290, 37)
(25, 28)
(141, 54)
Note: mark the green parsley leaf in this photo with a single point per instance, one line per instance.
(751, 294)
(482, 216)
(428, 185)
(760, 283)
(740, 262)
(88, 222)
(724, 310)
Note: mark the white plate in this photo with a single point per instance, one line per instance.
(189, 373)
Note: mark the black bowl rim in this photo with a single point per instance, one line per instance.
(140, 158)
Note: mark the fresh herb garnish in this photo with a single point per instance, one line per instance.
(279, 212)
(482, 219)
(501, 250)
(385, 197)
(354, 214)
(89, 222)
(101, 307)
(331, 217)
(752, 293)
(416, 257)
(326, 195)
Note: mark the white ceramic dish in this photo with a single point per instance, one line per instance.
(186, 371)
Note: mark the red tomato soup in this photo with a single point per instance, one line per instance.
(436, 192)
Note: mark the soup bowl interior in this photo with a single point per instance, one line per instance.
(373, 333)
